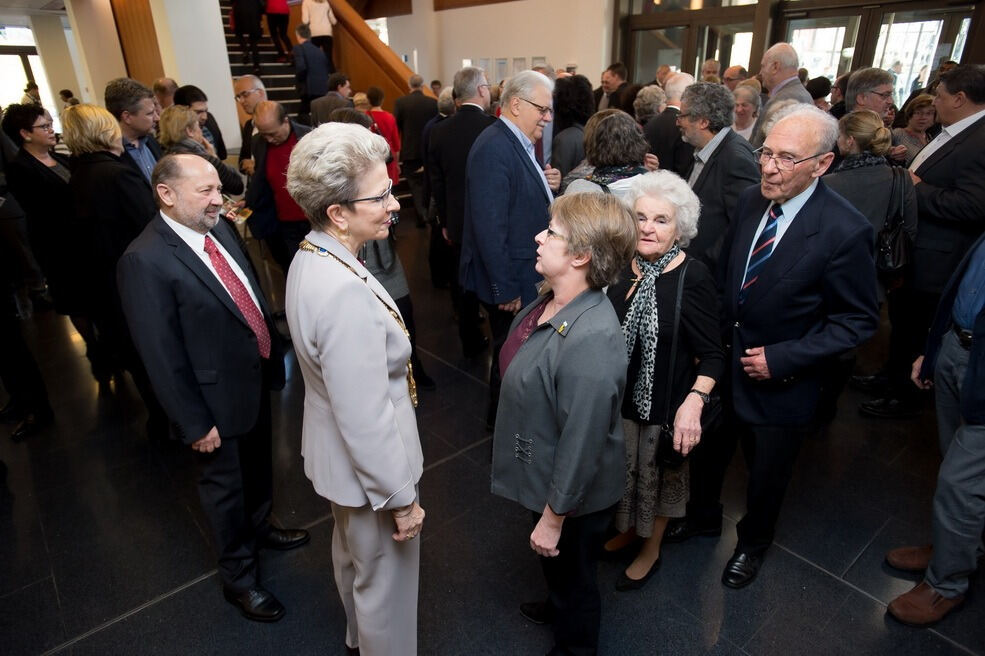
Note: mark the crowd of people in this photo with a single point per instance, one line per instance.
(667, 270)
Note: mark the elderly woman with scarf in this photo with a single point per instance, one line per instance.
(645, 300)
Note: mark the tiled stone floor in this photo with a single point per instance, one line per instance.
(104, 550)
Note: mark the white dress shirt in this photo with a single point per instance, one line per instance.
(790, 210)
(948, 133)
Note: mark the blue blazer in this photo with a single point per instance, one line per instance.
(973, 387)
(506, 205)
(815, 299)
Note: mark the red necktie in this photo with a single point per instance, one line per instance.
(241, 297)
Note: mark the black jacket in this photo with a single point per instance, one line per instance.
(448, 152)
(412, 112)
(220, 144)
(666, 143)
(259, 195)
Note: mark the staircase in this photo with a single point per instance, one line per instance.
(278, 78)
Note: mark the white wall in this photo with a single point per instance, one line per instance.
(193, 51)
(564, 31)
(49, 35)
(97, 44)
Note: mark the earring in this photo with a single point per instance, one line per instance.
(28, 139)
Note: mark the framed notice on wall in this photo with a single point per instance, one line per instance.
(519, 64)
(502, 70)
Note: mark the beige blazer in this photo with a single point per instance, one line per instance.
(359, 439)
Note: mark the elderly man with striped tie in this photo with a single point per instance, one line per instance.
(800, 289)
(203, 330)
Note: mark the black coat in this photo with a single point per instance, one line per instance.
(731, 169)
(412, 112)
(448, 153)
(54, 231)
(615, 98)
(950, 206)
(196, 345)
(246, 16)
(259, 195)
(246, 134)
(220, 144)
(10, 208)
(666, 143)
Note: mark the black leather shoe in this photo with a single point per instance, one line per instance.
(256, 604)
(741, 569)
(538, 612)
(873, 383)
(284, 539)
(625, 584)
(679, 530)
(889, 408)
(31, 425)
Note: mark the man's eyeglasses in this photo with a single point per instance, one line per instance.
(885, 95)
(43, 126)
(683, 115)
(783, 162)
(544, 111)
(242, 95)
(381, 199)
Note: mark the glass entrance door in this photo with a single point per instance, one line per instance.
(655, 48)
(825, 45)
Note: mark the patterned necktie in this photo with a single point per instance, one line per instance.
(761, 252)
(241, 297)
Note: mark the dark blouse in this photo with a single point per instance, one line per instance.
(700, 338)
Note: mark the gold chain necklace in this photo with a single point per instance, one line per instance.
(322, 252)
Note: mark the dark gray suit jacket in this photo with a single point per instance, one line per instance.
(559, 437)
(412, 112)
(791, 91)
(665, 142)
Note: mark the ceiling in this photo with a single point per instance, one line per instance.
(31, 6)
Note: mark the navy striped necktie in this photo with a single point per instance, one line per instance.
(761, 252)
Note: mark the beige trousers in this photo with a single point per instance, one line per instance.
(377, 580)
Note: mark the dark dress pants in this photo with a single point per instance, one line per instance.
(283, 243)
(19, 371)
(235, 487)
(910, 315)
(572, 582)
(277, 26)
(325, 43)
(254, 39)
(411, 169)
(499, 326)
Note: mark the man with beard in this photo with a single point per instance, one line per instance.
(203, 331)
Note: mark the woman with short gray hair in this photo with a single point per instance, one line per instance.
(747, 106)
(650, 101)
(359, 438)
(675, 357)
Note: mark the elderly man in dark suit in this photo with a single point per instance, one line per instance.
(778, 69)
(799, 289)
(448, 150)
(661, 131)
(506, 205)
(276, 217)
(724, 164)
(132, 104)
(204, 332)
(947, 176)
(412, 112)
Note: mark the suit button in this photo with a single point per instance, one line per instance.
(736, 325)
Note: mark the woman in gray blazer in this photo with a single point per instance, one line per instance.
(558, 445)
(359, 439)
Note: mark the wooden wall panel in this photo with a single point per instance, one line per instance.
(458, 4)
(138, 39)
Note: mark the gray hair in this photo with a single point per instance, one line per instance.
(327, 164)
(749, 95)
(124, 94)
(865, 80)
(522, 85)
(650, 101)
(713, 102)
(784, 54)
(825, 126)
(670, 187)
(547, 70)
(776, 111)
(256, 81)
(675, 85)
(467, 82)
(415, 81)
(446, 101)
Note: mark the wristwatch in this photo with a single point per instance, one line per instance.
(705, 398)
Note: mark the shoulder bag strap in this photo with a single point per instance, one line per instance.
(673, 342)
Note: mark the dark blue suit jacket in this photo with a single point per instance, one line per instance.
(815, 299)
(973, 387)
(506, 205)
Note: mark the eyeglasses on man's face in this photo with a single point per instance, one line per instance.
(783, 162)
(885, 95)
(544, 111)
(243, 95)
(382, 199)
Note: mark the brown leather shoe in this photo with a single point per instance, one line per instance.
(922, 606)
(910, 559)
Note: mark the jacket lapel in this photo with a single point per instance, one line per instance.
(522, 154)
(740, 250)
(949, 146)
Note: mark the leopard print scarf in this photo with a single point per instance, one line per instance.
(641, 323)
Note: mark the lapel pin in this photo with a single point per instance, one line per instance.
(562, 327)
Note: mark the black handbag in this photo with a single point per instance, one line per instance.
(667, 456)
(892, 243)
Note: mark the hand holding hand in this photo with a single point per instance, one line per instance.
(547, 533)
(754, 364)
(408, 521)
(687, 424)
(209, 443)
(553, 176)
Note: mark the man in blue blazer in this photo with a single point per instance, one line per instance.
(799, 289)
(955, 365)
(506, 205)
